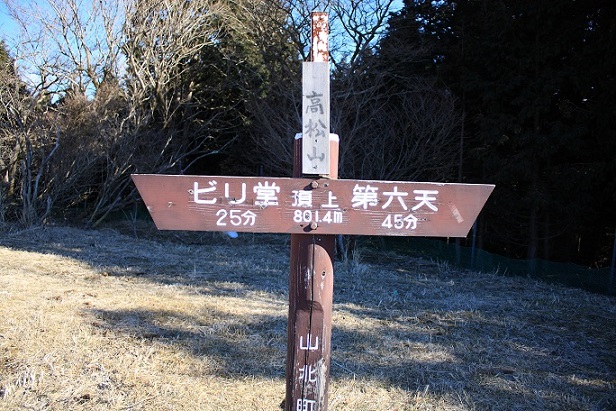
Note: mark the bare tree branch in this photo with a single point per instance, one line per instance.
(67, 44)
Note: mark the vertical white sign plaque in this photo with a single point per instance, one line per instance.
(315, 118)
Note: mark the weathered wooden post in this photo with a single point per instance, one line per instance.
(313, 207)
(311, 276)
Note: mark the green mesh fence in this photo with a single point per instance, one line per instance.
(595, 280)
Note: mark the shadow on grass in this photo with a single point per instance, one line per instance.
(429, 356)
(481, 342)
(239, 345)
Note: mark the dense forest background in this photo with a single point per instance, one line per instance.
(519, 93)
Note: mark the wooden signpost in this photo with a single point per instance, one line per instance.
(313, 207)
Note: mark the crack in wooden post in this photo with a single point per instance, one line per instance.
(310, 294)
(310, 311)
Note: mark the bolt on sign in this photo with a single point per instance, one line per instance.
(312, 207)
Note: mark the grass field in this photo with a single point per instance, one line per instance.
(100, 320)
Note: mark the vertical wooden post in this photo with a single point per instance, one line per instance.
(311, 281)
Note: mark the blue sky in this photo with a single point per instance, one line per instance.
(8, 28)
(29, 68)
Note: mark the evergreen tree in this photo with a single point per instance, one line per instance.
(397, 121)
(5, 60)
(534, 80)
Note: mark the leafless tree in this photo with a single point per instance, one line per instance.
(163, 39)
(26, 147)
(64, 51)
(356, 26)
(67, 44)
(396, 133)
(111, 76)
(115, 87)
(387, 132)
(276, 113)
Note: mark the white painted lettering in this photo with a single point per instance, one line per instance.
(331, 201)
(249, 218)
(308, 374)
(395, 194)
(235, 200)
(317, 216)
(221, 214)
(425, 197)
(235, 218)
(364, 196)
(305, 405)
(400, 221)
(197, 191)
(266, 194)
(302, 198)
(308, 346)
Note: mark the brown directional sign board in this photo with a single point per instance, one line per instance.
(312, 206)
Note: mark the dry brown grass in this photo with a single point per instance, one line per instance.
(98, 320)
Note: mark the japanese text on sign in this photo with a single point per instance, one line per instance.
(398, 203)
(315, 118)
(287, 205)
